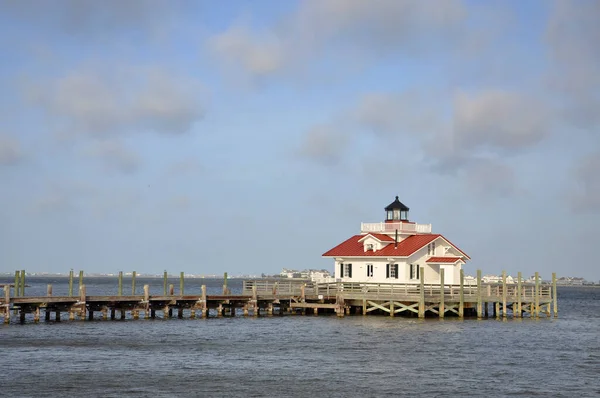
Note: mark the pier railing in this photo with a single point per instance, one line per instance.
(386, 290)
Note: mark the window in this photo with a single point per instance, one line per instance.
(370, 270)
(390, 214)
(370, 246)
(391, 271)
(346, 270)
(415, 272)
(431, 249)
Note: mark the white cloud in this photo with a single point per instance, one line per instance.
(324, 144)
(114, 155)
(586, 176)
(500, 120)
(320, 28)
(10, 151)
(117, 100)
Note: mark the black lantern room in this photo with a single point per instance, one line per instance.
(396, 211)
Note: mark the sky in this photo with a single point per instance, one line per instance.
(251, 136)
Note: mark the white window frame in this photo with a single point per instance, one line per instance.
(415, 272)
(369, 270)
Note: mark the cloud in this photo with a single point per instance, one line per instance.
(95, 20)
(397, 113)
(586, 175)
(573, 34)
(498, 119)
(259, 55)
(10, 151)
(324, 144)
(116, 100)
(491, 179)
(114, 155)
(349, 28)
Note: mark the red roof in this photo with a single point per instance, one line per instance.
(354, 248)
(379, 237)
(443, 259)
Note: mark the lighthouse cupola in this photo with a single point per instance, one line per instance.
(396, 211)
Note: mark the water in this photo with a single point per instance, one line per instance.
(299, 356)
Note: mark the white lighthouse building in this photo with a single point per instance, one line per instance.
(395, 250)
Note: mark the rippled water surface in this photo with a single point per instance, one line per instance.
(299, 356)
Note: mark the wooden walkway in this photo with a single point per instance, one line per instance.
(297, 297)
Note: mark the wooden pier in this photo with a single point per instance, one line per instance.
(281, 297)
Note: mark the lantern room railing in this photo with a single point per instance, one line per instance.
(391, 227)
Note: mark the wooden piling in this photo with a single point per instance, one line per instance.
(422, 292)
(479, 304)
(146, 301)
(504, 292)
(7, 301)
(49, 290)
(519, 310)
(57, 316)
(133, 275)
(225, 291)
(36, 315)
(22, 282)
(17, 283)
(171, 290)
(461, 304)
(80, 278)
(181, 283)
(442, 307)
(180, 313)
(120, 293)
(71, 283)
(82, 300)
(554, 298)
(537, 294)
(204, 303)
(165, 281)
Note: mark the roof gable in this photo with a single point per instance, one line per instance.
(379, 237)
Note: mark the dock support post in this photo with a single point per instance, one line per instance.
(21, 315)
(146, 301)
(442, 306)
(165, 279)
(82, 303)
(554, 298)
(71, 283)
(180, 313)
(104, 312)
(181, 283)
(256, 309)
(220, 310)
(112, 313)
(422, 292)
(133, 275)
(57, 316)
(36, 316)
(80, 278)
(504, 292)
(479, 304)
(171, 290)
(123, 313)
(519, 311)
(537, 295)
(152, 313)
(192, 313)
(246, 309)
(364, 306)
(7, 301)
(497, 309)
(22, 282)
(120, 293)
(270, 309)
(204, 303)
(225, 290)
(461, 304)
(17, 283)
